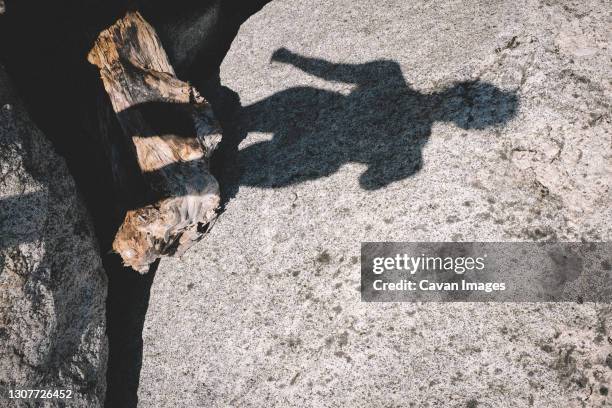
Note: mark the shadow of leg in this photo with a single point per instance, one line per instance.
(224, 165)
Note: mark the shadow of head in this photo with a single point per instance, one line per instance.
(474, 105)
(382, 123)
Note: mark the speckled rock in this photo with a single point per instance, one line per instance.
(52, 285)
(393, 121)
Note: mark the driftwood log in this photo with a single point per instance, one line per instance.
(172, 132)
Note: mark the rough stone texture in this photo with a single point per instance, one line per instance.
(52, 285)
(266, 311)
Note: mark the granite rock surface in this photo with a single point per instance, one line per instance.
(52, 284)
(352, 121)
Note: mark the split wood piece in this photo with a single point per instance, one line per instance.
(174, 133)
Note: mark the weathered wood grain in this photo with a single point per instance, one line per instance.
(173, 133)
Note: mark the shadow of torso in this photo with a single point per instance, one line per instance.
(382, 123)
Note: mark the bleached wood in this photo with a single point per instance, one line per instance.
(173, 131)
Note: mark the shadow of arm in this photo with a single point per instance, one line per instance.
(347, 73)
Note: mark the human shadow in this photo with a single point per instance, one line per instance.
(382, 123)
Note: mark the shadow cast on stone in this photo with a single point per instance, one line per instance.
(70, 117)
(126, 304)
(126, 309)
(382, 123)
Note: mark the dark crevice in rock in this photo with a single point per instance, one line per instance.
(43, 46)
